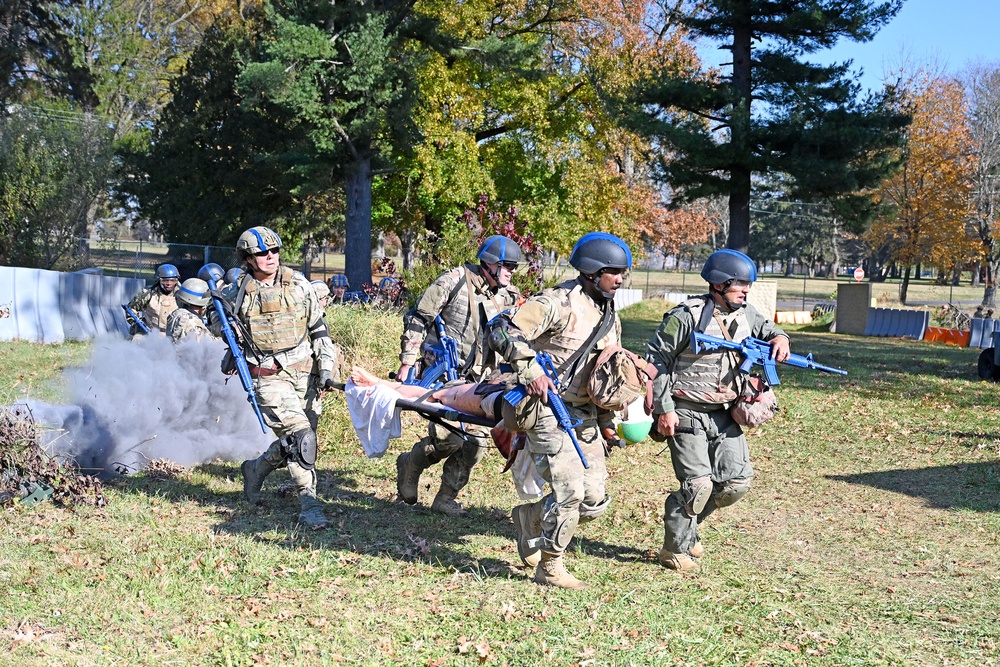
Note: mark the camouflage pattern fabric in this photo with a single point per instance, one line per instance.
(183, 324)
(559, 321)
(153, 306)
(419, 332)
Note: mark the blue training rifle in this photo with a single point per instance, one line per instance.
(757, 352)
(135, 319)
(566, 423)
(445, 361)
(212, 274)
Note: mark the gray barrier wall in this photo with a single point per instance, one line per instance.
(896, 323)
(51, 307)
(981, 332)
(627, 297)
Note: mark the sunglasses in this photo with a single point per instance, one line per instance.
(509, 265)
(265, 253)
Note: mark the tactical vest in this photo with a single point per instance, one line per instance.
(581, 315)
(464, 319)
(275, 314)
(710, 377)
(159, 308)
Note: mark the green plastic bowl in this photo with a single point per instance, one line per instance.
(633, 432)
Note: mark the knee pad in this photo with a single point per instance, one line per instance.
(589, 512)
(565, 526)
(731, 492)
(696, 492)
(302, 447)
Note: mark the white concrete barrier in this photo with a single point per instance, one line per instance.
(51, 307)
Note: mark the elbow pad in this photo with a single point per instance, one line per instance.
(319, 330)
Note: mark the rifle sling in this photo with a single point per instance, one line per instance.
(599, 332)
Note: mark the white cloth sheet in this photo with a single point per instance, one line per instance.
(374, 416)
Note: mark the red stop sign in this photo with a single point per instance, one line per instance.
(859, 274)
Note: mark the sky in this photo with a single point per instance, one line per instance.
(945, 34)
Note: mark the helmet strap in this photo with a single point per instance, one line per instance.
(494, 275)
(594, 280)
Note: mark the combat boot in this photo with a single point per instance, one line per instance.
(552, 572)
(407, 479)
(528, 526)
(697, 551)
(312, 515)
(679, 562)
(445, 502)
(254, 472)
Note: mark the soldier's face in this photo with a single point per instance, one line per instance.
(168, 284)
(611, 280)
(264, 263)
(339, 292)
(504, 272)
(736, 292)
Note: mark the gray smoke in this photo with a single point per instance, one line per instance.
(140, 400)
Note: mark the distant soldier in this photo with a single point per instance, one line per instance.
(232, 275)
(338, 287)
(155, 303)
(188, 321)
(466, 298)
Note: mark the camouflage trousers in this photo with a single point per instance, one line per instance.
(577, 494)
(459, 454)
(289, 402)
(716, 455)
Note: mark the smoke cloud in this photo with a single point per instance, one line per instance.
(144, 399)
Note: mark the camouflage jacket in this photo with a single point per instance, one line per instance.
(559, 321)
(183, 324)
(154, 306)
(296, 305)
(448, 296)
(672, 341)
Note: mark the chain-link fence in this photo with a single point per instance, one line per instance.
(139, 259)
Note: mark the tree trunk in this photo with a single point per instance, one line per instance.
(990, 291)
(904, 286)
(739, 130)
(406, 248)
(358, 218)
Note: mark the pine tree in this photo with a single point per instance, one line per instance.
(775, 112)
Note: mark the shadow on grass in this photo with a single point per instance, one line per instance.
(972, 486)
(360, 523)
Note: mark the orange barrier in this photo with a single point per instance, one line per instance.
(947, 336)
(793, 317)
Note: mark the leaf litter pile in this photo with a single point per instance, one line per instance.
(28, 474)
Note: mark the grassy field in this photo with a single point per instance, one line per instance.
(871, 537)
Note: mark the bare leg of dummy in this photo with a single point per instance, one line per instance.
(459, 397)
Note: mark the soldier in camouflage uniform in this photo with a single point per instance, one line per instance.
(466, 298)
(289, 356)
(572, 322)
(155, 303)
(712, 464)
(188, 321)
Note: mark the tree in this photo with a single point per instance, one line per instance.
(53, 164)
(775, 112)
(929, 197)
(346, 75)
(982, 84)
(37, 56)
